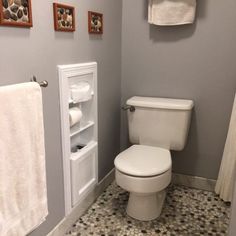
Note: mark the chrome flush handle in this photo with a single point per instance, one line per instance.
(130, 108)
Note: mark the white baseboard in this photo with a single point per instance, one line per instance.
(194, 182)
(79, 210)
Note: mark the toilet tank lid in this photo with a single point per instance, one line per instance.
(162, 103)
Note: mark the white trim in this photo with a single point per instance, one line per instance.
(64, 133)
(81, 208)
(194, 182)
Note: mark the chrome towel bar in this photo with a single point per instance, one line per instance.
(43, 83)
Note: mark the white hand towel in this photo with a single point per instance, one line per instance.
(75, 115)
(23, 195)
(171, 12)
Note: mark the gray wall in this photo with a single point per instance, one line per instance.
(193, 61)
(37, 51)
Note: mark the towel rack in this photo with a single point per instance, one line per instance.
(43, 83)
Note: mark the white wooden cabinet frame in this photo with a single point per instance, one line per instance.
(80, 168)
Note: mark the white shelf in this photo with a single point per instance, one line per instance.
(83, 128)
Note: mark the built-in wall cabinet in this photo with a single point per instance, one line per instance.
(78, 104)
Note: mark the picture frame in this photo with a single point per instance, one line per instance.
(64, 17)
(16, 13)
(95, 22)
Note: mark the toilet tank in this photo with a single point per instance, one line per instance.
(161, 122)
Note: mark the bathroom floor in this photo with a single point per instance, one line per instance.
(187, 212)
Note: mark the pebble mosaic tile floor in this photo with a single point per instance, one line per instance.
(187, 212)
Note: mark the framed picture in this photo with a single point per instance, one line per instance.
(64, 17)
(95, 23)
(16, 13)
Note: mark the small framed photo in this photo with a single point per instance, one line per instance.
(64, 17)
(95, 22)
(16, 13)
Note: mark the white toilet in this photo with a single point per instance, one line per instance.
(156, 125)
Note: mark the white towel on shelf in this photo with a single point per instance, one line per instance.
(81, 91)
(171, 12)
(23, 194)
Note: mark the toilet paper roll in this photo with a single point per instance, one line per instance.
(75, 115)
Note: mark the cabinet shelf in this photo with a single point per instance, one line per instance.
(83, 128)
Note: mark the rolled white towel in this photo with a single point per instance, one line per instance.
(75, 115)
(81, 91)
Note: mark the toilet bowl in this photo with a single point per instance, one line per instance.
(145, 172)
(156, 126)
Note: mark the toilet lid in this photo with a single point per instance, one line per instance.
(143, 161)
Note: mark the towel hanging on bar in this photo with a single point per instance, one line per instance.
(23, 192)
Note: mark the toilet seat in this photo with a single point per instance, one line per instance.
(143, 161)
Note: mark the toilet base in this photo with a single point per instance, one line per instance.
(145, 207)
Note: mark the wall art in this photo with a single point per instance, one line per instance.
(16, 13)
(64, 17)
(95, 23)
